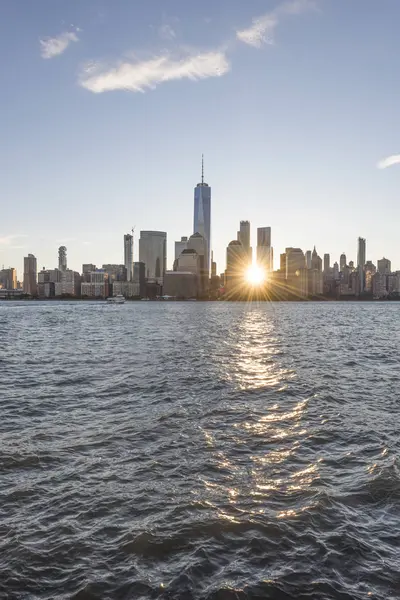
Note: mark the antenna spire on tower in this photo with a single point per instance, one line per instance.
(202, 168)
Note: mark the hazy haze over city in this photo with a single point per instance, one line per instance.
(108, 105)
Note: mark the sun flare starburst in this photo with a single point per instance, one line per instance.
(255, 275)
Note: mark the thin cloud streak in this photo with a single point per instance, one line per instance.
(51, 47)
(263, 28)
(138, 76)
(8, 239)
(261, 31)
(167, 32)
(389, 161)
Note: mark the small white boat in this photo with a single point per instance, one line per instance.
(118, 299)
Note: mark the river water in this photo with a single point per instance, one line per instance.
(215, 451)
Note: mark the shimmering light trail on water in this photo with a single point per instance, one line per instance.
(199, 450)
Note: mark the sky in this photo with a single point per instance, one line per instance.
(107, 106)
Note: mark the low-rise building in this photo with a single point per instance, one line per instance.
(97, 286)
(181, 284)
(69, 284)
(128, 289)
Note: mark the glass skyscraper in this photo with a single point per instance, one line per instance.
(202, 214)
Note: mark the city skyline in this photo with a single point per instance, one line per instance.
(301, 133)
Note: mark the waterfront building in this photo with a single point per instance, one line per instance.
(88, 268)
(308, 259)
(384, 266)
(197, 243)
(180, 246)
(8, 279)
(97, 286)
(116, 272)
(342, 262)
(139, 277)
(315, 282)
(30, 275)
(153, 253)
(237, 262)
(128, 289)
(213, 266)
(361, 253)
(369, 272)
(264, 249)
(69, 284)
(62, 258)
(202, 214)
(335, 270)
(282, 263)
(393, 283)
(295, 260)
(190, 262)
(327, 263)
(378, 285)
(181, 284)
(244, 238)
(316, 261)
(128, 256)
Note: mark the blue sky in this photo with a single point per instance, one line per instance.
(107, 106)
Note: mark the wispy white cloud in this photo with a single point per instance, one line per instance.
(140, 75)
(260, 32)
(167, 32)
(389, 161)
(51, 47)
(262, 29)
(6, 240)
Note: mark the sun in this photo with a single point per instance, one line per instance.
(255, 275)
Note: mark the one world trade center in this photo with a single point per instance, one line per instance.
(202, 214)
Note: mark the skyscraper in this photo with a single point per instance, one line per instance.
(308, 259)
(8, 278)
(327, 263)
(62, 258)
(202, 213)
(384, 266)
(264, 250)
(180, 246)
(361, 261)
(295, 260)
(128, 256)
(316, 261)
(343, 262)
(30, 275)
(244, 234)
(153, 253)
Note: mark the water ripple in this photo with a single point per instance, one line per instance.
(199, 451)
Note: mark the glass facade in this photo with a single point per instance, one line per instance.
(202, 216)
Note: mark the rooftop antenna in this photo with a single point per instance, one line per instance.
(202, 169)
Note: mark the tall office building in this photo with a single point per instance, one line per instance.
(295, 260)
(128, 256)
(264, 250)
(308, 259)
(361, 261)
(30, 275)
(202, 213)
(180, 246)
(327, 263)
(8, 279)
(153, 253)
(384, 266)
(62, 258)
(342, 262)
(244, 234)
